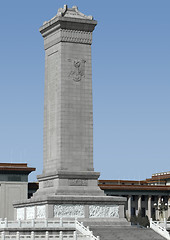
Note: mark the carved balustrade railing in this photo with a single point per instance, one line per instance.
(33, 236)
(161, 228)
(78, 230)
(34, 223)
(85, 231)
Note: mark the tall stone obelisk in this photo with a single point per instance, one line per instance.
(68, 107)
(68, 185)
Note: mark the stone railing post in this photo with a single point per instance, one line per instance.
(46, 223)
(2, 236)
(32, 235)
(91, 234)
(150, 222)
(32, 223)
(61, 235)
(46, 235)
(74, 235)
(61, 222)
(165, 223)
(17, 236)
(19, 223)
(6, 222)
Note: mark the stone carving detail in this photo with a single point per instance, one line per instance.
(66, 210)
(66, 35)
(74, 12)
(30, 213)
(67, 12)
(76, 36)
(41, 211)
(103, 211)
(48, 183)
(78, 69)
(20, 214)
(78, 182)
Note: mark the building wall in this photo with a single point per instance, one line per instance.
(144, 202)
(10, 192)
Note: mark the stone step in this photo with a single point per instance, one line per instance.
(125, 233)
(105, 222)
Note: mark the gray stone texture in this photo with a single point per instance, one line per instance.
(68, 175)
(125, 233)
(68, 108)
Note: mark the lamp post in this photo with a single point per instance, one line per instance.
(161, 206)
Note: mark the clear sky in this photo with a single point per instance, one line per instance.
(131, 84)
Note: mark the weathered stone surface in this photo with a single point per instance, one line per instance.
(125, 233)
(68, 108)
(68, 181)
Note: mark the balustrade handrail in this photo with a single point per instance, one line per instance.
(155, 225)
(47, 223)
(85, 230)
(32, 236)
(33, 223)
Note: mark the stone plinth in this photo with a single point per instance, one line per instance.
(71, 207)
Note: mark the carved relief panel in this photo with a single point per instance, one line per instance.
(77, 72)
(66, 210)
(103, 211)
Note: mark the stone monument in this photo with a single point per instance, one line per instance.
(68, 186)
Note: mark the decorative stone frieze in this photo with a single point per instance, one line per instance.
(66, 210)
(41, 211)
(76, 36)
(102, 211)
(30, 213)
(67, 35)
(20, 213)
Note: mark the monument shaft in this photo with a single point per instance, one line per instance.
(68, 111)
(68, 108)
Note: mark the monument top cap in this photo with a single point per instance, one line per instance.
(70, 13)
(68, 19)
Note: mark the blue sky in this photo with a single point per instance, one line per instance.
(131, 84)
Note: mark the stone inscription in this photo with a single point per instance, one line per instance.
(20, 214)
(41, 211)
(103, 211)
(66, 210)
(48, 183)
(78, 182)
(78, 69)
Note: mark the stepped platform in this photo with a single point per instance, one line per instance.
(72, 229)
(124, 233)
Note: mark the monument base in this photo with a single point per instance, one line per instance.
(55, 199)
(68, 182)
(70, 206)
